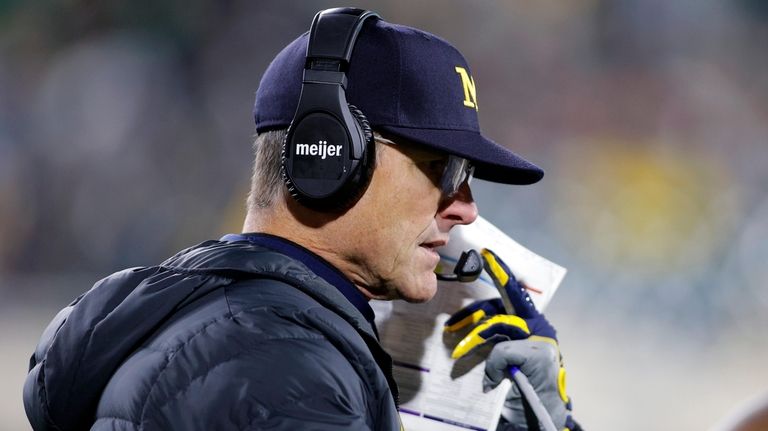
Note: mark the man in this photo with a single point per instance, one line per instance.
(271, 329)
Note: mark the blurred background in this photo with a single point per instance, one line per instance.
(125, 132)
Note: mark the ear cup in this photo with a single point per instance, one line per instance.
(343, 191)
(315, 160)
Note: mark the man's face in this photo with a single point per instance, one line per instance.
(402, 218)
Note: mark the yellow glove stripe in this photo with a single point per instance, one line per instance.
(561, 385)
(549, 340)
(497, 271)
(474, 339)
(473, 318)
(507, 319)
(467, 344)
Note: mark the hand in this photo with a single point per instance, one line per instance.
(525, 340)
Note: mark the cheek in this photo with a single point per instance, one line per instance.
(424, 201)
(414, 224)
(403, 215)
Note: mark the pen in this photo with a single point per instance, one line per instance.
(526, 389)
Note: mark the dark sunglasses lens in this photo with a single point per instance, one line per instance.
(456, 172)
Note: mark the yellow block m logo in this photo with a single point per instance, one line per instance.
(470, 95)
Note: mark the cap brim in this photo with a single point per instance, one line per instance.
(492, 161)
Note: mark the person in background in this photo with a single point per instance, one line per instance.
(368, 138)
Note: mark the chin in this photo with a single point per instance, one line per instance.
(420, 289)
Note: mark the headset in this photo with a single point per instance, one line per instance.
(327, 158)
(467, 269)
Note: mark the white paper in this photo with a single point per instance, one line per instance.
(541, 277)
(438, 393)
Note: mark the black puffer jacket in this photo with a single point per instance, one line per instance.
(221, 336)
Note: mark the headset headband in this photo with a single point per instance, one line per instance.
(334, 32)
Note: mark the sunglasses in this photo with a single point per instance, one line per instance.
(457, 171)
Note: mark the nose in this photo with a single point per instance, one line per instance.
(458, 209)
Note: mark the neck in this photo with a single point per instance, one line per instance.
(321, 233)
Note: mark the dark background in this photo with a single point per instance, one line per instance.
(125, 133)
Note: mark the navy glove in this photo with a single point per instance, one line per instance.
(525, 340)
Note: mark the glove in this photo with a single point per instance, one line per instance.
(525, 340)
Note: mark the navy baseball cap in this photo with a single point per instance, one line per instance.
(409, 84)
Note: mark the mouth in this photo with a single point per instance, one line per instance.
(432, 246)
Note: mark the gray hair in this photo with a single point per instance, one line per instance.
(267, 186)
